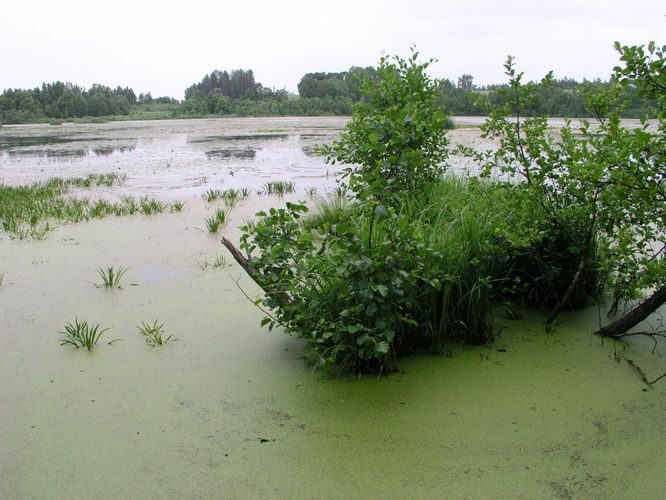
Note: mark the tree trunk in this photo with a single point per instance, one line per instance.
(562, 303)
(620, 326)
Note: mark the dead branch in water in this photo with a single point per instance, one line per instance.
(641, 373)
(282, 297)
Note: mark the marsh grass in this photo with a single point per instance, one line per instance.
(217, 221)
(178, 206)
(82, 334)
(2, 277)
(211, 195)
(153, 333)
(111, 276)
(277, 188)
(220, 262)
(30, 211)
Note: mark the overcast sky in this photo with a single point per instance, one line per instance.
(164, 46)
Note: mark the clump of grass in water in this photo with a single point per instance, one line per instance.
(111, 276)
(217, 221)
(29, 211)
(150, 206)
(153, 334)
(278, 188)
(82, 334)
(220, 262)
(177, 206)
(212, 195)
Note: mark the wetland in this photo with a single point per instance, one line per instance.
(231, 410)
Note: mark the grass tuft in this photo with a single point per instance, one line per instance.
(153, 334)
(217, 221)
(81, 334)
(111, 276)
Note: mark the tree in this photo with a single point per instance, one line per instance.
(466, 82)
(603, 185)
(397, 135)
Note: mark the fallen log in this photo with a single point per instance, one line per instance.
(620, 326)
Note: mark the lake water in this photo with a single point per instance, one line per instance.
(174, 157)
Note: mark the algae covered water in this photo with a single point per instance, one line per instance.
(230, 410)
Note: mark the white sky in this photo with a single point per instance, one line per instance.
(165, 46)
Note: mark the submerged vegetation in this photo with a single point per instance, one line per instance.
(415, 259)
(32, 210)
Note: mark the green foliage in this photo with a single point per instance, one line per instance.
(397, 134)
(82, 334)
(153, 333)
(278, 188)
(600, 187)
(217, 221)
(29, 211)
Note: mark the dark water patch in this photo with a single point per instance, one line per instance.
(41, 140)
(311, 152)
(248, 137)
(109, 150)
(237, 154)
(48, 153)
(66, 153)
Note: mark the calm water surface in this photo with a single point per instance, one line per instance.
(173, 157)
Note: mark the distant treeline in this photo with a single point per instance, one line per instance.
(237, 93)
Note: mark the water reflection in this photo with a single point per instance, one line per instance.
(109, 150)
(9, 142)
(57, 154)
(248, 137)
(238, 154)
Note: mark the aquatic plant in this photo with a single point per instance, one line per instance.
(111, 276)
(217, 220)
(278, 188)
(178, 206)
(211, 195)
(2, 277)
(29, 211)
(220, 262)
(153, 333)
(150, 206)
(82, 334)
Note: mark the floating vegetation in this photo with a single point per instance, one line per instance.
(217, 221)
(82, 334)
(111, 276)
(153, 334)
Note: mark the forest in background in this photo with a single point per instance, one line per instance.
(237, 93)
